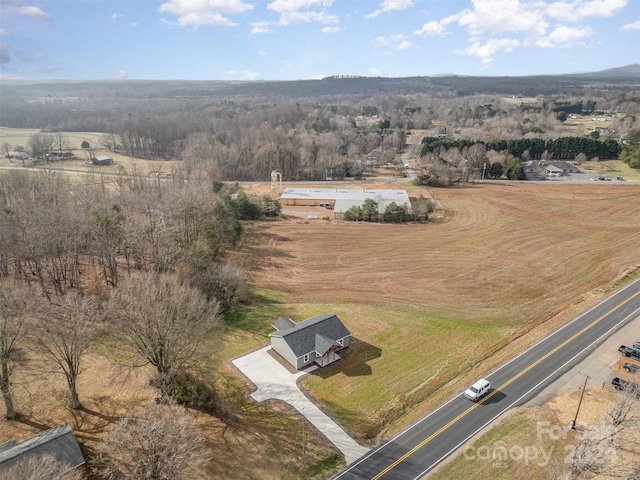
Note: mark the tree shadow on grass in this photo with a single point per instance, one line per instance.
(32, 423)
(259, 254)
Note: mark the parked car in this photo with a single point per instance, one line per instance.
(630, 387)
(636, 345)
(631, 367)
(629, 352)
(619, 383)
(478, 390)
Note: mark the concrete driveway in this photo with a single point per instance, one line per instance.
(272, 380)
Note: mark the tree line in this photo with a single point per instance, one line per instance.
(121, 255)
(561, 148)
(238, 132)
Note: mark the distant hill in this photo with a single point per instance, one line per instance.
(628, 72)
(325, 90)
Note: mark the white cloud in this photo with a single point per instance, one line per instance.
(375, 71)
(260, 27)
(204, 12)
(527, 23)
(249, 75)
(116, 16)
(232, 73)
(282, 6)
(287, 18)
(487, 51)
(431, 29)
(631, 26)
(387, 6)
(263, 54)
(297, 11)
(580, 9)
(27, 11)
(499, 16)
(398, 41)
(330, 29)
(118, 75)
(564, 36)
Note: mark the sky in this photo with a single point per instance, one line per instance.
(307, 39)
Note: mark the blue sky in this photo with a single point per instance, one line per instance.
(303, 39)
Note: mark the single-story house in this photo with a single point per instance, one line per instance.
(58, 442)
(341, 199)
(315, 340)
(17, 156)
(102, 160)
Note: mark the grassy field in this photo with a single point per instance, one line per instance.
(20, 137)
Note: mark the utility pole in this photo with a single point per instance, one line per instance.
(573, 422)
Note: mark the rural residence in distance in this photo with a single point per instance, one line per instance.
(315, 340)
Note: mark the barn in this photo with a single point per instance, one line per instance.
(103, 160)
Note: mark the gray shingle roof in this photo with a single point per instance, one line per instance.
(284, 323)
(317, 333)
(58, 441)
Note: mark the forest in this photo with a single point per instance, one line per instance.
(245, 130)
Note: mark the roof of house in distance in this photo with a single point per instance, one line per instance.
(349, 196)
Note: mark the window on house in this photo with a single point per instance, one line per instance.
(341, 342)
(305, 359)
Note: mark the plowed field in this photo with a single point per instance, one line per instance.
(500, 247)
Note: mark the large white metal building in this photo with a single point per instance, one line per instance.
(341, 199)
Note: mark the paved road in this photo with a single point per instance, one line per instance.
(424, 445)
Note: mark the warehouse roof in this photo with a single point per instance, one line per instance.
(346, 197)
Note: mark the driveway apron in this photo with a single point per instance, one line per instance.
(272, 380)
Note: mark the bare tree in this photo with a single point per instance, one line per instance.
(40, 145)
(6, 148)
(163, 320)
(109, 141)
(156, 442)
(61, 143)
(599, 449)
(66, 336)
(14, 309)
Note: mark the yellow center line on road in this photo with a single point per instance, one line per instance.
(505, 384)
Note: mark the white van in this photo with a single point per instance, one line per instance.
(478, 390)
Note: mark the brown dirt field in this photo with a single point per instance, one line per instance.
(514, 246)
